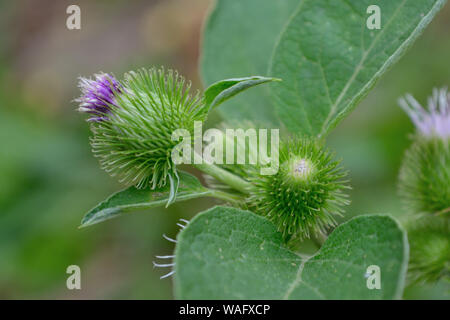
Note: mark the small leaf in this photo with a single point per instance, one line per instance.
(223, 90)
(174, 180)
(227, 253)
(134, 199)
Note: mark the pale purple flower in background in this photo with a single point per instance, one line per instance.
(434, 121)
(98, 95)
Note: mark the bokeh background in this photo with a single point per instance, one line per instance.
(49, 179)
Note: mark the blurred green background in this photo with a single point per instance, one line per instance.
(49, 178)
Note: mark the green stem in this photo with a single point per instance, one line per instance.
(225, 196)
(226, 177)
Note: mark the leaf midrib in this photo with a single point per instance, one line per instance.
(297, 281)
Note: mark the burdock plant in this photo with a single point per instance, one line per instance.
(277, 236)
(424, 185)
(132, 123)
(132, 135)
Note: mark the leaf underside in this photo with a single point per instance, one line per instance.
(227, 253)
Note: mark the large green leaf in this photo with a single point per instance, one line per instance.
(226, 253)
(322, 50)
(131, 199)
(238, 42)
(328, 58)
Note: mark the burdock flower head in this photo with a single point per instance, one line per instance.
(425, 173)
(98, 96)
(305, 194)
(133, 120)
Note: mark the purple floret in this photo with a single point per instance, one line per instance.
(434, 121)
(98, 95)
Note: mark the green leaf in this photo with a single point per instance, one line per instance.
(219, 92)
(238, 40)
(131, 199)
(174, 181)
(329, 59)
(227, 253)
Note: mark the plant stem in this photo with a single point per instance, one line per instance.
(225, 196)
(226, 177)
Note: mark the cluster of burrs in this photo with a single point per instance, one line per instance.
(424, 185)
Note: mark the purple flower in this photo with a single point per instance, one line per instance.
(98, 95)
(432, 122)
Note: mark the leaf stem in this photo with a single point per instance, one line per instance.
(226, 196)
(226, 177)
